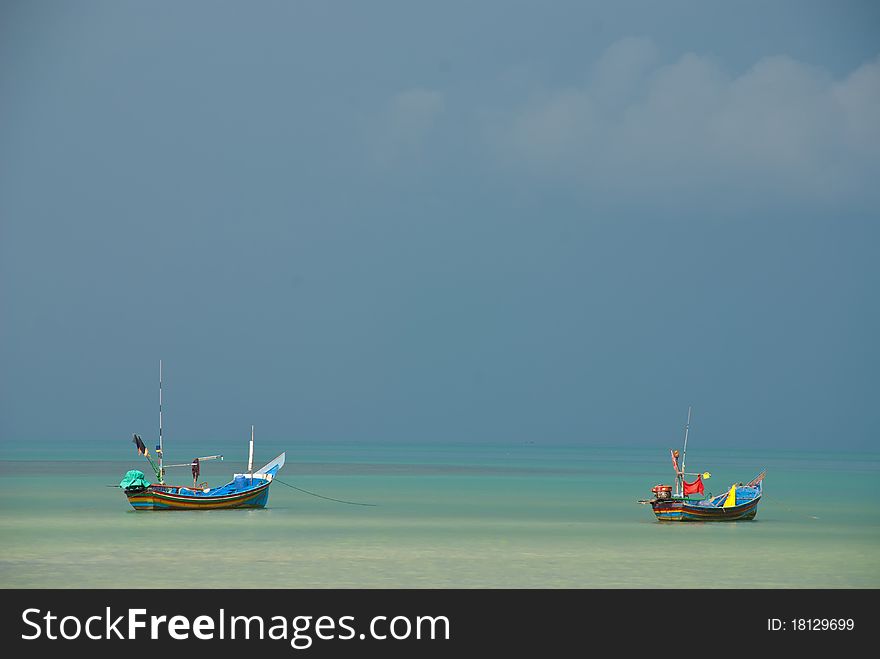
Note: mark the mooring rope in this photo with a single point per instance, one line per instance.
(321, 496)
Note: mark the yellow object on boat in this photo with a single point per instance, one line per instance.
(731, 498)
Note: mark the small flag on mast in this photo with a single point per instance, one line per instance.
(141, 448)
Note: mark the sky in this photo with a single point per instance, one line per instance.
(452, 221)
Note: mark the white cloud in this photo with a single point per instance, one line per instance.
(618, 76)
(859, 97)
(783, 127)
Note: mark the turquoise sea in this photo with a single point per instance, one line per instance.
(455, 515)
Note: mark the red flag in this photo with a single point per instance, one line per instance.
(674, 455)
(693, 488)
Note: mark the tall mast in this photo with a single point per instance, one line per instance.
(685, 450)
(161, 471)
(251, 454)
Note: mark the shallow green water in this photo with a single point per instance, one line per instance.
(445, 516)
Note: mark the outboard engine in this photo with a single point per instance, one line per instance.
(662, 491)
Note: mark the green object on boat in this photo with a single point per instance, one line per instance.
(133, 478)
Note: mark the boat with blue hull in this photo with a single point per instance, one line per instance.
(245, 490)
(738, 503)
(249, 490)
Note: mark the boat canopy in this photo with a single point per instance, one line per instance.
(133, 478)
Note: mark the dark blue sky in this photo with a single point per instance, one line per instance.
(405, 221)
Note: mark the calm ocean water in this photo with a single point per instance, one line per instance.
(452, 515)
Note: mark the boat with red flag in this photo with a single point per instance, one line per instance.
(685, 502)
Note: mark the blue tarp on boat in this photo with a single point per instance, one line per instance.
(744, 494)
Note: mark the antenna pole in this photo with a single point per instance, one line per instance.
(251, 454)
(685, 450)
(161, 470)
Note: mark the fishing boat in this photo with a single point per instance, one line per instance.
(737, 503)
(245, 490)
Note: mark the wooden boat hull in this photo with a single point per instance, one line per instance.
(169, 498)
(679, 510)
